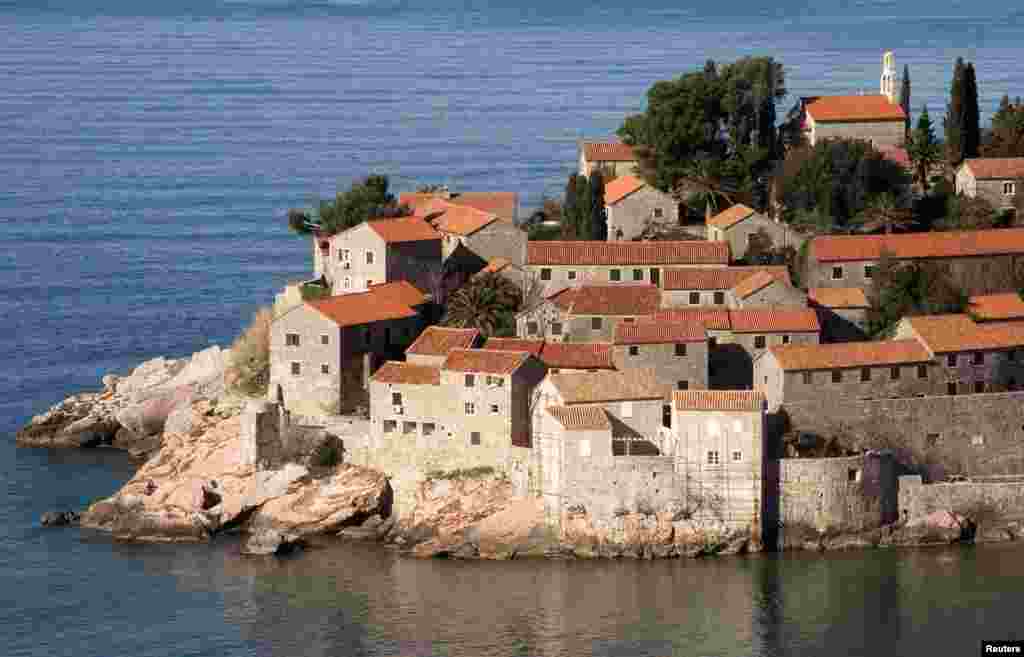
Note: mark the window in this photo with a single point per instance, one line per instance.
(628, 320)
(470, 380)
(869, 271)
(808, 379)
(545, 274)
(978, 358)
(694, 298)
(291, 340)
(931, 440)
(759, 342)
(785, 339)
(346, 255)
(532, 328)
(556, 328)
(680, 349)
(428, 428)
(979, 386)
(595, 323)
(951, 388)
(683, 385)
(474, 438)
(627, 409)
(296, 369)
(837, 273)
(712, 342)
(615, 275)
(396, 399)
(951, 360)
(571, 275)
(496, 381)
(658, 213)
(853, 475)
(666, 416)
(584, 448)
(390, 426)
(470, 408)
(348, 282)
(325, 368)
(737, 456)
(837, 376)
(894, 373)
(719, 298)
(638, 274)
(494, 409)
(865, 374)
(325, 339)
(713, 457)
(369, 258)
(1009, 188)
(922, 371)
(634, 350)
(408, 428)
(369, 282)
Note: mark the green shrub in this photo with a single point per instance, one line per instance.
(327, 455)
(312, 291)
(248, 369)
(462, 473)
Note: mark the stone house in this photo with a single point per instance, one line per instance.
(433, 344)
(633, 206)
(979, 260)
(1001, 307)
(558, 264)
(994, 179)
(766, 289)
(872, 118)
(380, 251)
(842, 312)
(323, 351)
(612, 158)
(557, 356)
(676, 352)
(737, 224)
(483, 234)
(587, 313)
(711, 286)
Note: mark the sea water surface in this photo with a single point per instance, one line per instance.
(148, 154)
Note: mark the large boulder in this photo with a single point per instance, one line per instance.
(147, 376)
(148, 417)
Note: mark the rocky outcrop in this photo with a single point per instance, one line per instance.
(59, 518)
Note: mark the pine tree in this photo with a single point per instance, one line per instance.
(905, 96)
(923, 148)
(972, 115)
(598, 218)
(954, 121)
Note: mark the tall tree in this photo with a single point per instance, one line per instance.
(569, 212)
(584, 209)
(487, 302)
(923, 148)
(972, 114)
(598, 216)
(905, 96)
(365, 199)
(1007, 130)
(953, 124)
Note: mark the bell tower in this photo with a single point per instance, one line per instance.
(887, 86)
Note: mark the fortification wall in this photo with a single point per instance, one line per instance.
(1003, 500)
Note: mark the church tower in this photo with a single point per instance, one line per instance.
(888, 82)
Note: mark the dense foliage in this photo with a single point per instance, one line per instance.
(923, 148)
(487, 302)
(905, 290)
(583, 212)
(963, 117)
(248, 368)
(1007, 137)
(367, 199)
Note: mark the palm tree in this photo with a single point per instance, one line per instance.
(486, 302)
(884, 212)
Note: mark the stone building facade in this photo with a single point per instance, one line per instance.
(995, 179)
(587, 313)
(632, 206)
(711, 286)
(557, 356)
(737, 224)
(612, 158)
(676, 352)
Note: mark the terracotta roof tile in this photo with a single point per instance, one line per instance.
(502, 204)
(839, 248)
(485, 360)
(581, 418)
(712, 317)
(774, 320)
(378, 304)
(450, 217)
(404, 229)
(692, 252)
(849, 354)
(439, 340)
(718, 278)
(659, 332)
(753, 284)
(397, 372)
(560, 355)
(843, 109)
(418, 201)
(987, 168)
(616, 299)
(577, 387)
(400, 291)
(620, 188)
(951, 333)
(989, 307)
(837, 297)
(731, 217)
(608, 152)
(718, 400)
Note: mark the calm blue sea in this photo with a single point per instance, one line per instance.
(148, 153)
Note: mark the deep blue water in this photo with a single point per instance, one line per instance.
(149, 151)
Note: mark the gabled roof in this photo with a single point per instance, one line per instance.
(774, 320)
(439, 340)
(485, 361)
(718, 278)
(560, 355)
(450, 217)
(990, 307)
(952, 333)
(691, 252)
(996, 168)
(849, 109)
(659, 332)
(842, 355)
(952, 244)
(403, 229)
(620, 188)
(614, 299)
(577, 387)
(837, 297)
(581, 418)
(379, 303)
(753, 284)
(607, 152)
(731, 217)
(718, 400)
(714, 318)
(397, 372)
(501, 204)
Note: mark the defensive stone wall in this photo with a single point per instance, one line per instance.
(999, 498)
(633, 484)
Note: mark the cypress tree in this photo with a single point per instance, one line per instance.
(954, 121)
(598, 219)
(972, 115)
(583, 209)
(905, 96)
(569, 207)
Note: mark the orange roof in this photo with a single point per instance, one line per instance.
(718, 400)
(845, 109)
(731, 217)
(400, 291)
(396, 372)
(952, 244)
(1007, 305)
(581, 418)
(616, 299)
(502, 204)
(458, 219)
(693, 252)
(578, 387)
(418, 201)
(404, 229)
(484, 360)
(659, 332)
(378, 304)
(849, 354)
(837, 297)
(608, 152)
(560, 355)
(753, 284)
(713, 318)
(718, 278)
(986, 168)
(950, 333)
(439, 340)
(774, 320)
(620, 188)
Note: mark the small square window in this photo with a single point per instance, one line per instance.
(390, 426)
(1009, 188)
(951, 388)
(737, 456)
(865, 374)
(658, 213)
(785, 339)
(634, 350)
(922, 371)
(396, 399)
(346, 254)
(869, 271)
(474, 438)
(979, 386)
(638, 274)
(369, 259)
(694, 298)
(494, 409)
(894, 373)
(683, 385)
(325, 368)
(853, 475)
(931, 440)
(571, 274)
(951, 360)
(545, 274)
(719, 298)
(680, 349)
(713, 457)
(628, 320)
(808, 378)
(595, 323)
(408, 428)
(470, 408)
(532, 328)
(291, 340)
(325, 339)
(470, 380)
(428, 428)
(978, 358)
(296, 369)
(556, 328)
(837, 273)
(615, 275)
(837, 376)
(759, 342)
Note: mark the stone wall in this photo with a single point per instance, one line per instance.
(882, 133)
(669, 369)
(778, 295)
(978, 275)
(1004, 499)
(738, 236)
(499, 239)
(628, 218)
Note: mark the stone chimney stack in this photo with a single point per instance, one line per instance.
(887, 85)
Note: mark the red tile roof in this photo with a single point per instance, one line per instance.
(952, 244)
(989, 168)
(659, 332)
(400, 291)
(450, 217)
(774, 320)
(616, 299)
(952, 333)
(578, 387)
(718, 278)
(608, 152)
(713, 318)
(988, 307)
(560, 355)
(731, 217)
(581, 418)
(418, 201)
(620, 188)
(837, 297)
(718, 400)
(693, 252)
(753, 284)
(404, 229)
(397, 372)
(848, 109)
(378, 304)
(849, 354)
(485, 360)
(439, 340)
(502, 204)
